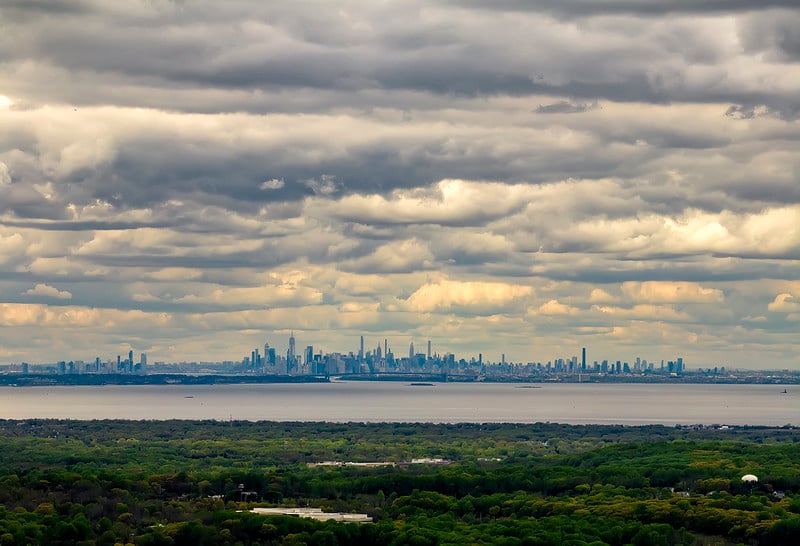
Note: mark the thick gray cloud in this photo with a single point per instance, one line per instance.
(564, 107)
(583, 8)
(518, 177)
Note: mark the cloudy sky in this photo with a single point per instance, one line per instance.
(195, 178)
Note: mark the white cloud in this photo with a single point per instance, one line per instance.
(272, 184)
(12, 246)
(48, 292)
(395, 257)
(325, 185)
(784, 303)
(449, 202)
(112, 320)
(671, 292)
(144, 297)
(643, 312)
(445, 294)
(284, 294)
(5, 175)
(182, 274)
(598, 295)
(554, 307)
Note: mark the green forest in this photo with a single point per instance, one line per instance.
(196, 482)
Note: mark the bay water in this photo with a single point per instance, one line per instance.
(363, 401)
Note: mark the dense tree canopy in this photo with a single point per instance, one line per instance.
(179, 482)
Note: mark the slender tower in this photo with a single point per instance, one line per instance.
(291, 353)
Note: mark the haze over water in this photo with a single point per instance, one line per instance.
(629, 404)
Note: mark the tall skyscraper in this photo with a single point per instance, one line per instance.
(583, 359)
(411, 350)
(292, 349)
(429, 349)
(309, 354)
(361, 349)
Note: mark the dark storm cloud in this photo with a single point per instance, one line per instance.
(583, 8)
(739, 111)
(776, 33)
(143, 174)
(26, 202)
(39, 7)
(759, 190)
(84, 225)
(564, 107)
(293, 48)
(232, 260)
(675, 270)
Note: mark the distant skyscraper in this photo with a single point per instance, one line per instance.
(292, 349)
(583, 359)
(309, 354)
(429, 349)
(411, 350)
(361, 349)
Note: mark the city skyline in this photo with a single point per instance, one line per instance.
(506, 178)
(379, 360)
(382, 350)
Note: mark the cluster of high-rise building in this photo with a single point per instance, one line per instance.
(382, 359)
(119, 365)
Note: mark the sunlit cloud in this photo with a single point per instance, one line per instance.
(48, 292)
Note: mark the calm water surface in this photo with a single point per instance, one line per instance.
(342, 401)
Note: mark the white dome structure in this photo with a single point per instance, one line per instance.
(749, 478)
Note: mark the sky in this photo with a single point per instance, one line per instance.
(195, 178)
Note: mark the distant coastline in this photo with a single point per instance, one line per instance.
(48, 380)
